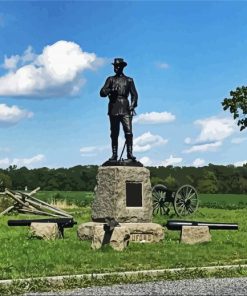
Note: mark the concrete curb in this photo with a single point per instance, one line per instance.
(151, 272)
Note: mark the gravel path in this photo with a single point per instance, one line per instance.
(212, 286)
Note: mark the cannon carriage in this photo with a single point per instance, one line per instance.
(184, 200)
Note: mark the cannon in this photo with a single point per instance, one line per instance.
(61, 223)
(184, 200)
(178, 224)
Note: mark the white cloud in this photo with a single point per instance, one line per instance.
(238, 140)
(4, 162)
(187, 140)
(57, 71)
(162, 65)
(28, 162)
(204, 147)
(215, 129)
(12, 115)
(147, 141)
(198, 162)
(172, 161)
(154, 117)
(240, 163)
(146, 161)
(92, 150)
(11, 63)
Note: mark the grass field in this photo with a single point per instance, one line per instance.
(220, 201)
(22, 257)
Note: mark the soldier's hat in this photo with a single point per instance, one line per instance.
(119, 61)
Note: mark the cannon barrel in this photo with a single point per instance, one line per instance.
(62, 222)
(178, 224)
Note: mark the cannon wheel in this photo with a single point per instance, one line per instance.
(160, 204)
(186, 200)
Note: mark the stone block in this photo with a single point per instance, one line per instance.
(145, 232)
(124, 193)
(118, 241)
(139, 232)
(85, 231)
(45, 231)
(195, 234)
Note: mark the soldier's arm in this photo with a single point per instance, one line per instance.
(106, 89)
(134, 94)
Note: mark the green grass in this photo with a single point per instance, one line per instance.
(79, 198)
(223, 201)
(22, 257)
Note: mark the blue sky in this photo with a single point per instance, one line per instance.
(185, 57)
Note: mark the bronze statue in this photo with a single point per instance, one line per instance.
(118, 88)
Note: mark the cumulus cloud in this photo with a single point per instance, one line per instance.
(57, 71)
(12, 114)
(215, 129)
(4, 162)
(172, 161)
(240, 163)
(11, 63)
(154, 117)
(198, 162)
(204, 147)
(187, 140)
(28, 162)
(146, 161)
(147, 141)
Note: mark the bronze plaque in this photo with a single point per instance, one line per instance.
(133, 194)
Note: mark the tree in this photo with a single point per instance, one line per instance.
(5, 182)
(208, 183)
(237, 105)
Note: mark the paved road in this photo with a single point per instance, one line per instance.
(212, 286)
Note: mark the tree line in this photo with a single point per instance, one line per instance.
(207, 179)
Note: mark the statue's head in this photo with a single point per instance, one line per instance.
(119, 64)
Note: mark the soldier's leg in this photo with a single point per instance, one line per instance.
(127, 127)
(114, 125)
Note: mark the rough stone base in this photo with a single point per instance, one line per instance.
(195, 234)
(46, 231)
(118, 241)
(139, 232)
(110, 198)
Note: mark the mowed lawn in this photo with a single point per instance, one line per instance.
(22, 257)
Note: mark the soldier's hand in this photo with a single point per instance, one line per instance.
(114, 92)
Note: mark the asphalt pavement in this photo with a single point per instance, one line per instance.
(209, 286)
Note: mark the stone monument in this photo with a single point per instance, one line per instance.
(123, 189)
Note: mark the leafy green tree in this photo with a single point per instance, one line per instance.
(170, 182)
(208, 183)
(237, 104)
(5, 182)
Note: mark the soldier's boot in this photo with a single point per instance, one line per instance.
(129, 142)
(114, 153)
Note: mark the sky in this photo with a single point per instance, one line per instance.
(185, 57)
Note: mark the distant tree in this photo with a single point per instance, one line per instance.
(237, 104)
(5, 181)
(170, 182)
(208, 183)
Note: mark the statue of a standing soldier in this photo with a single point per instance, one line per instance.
(118, 88)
